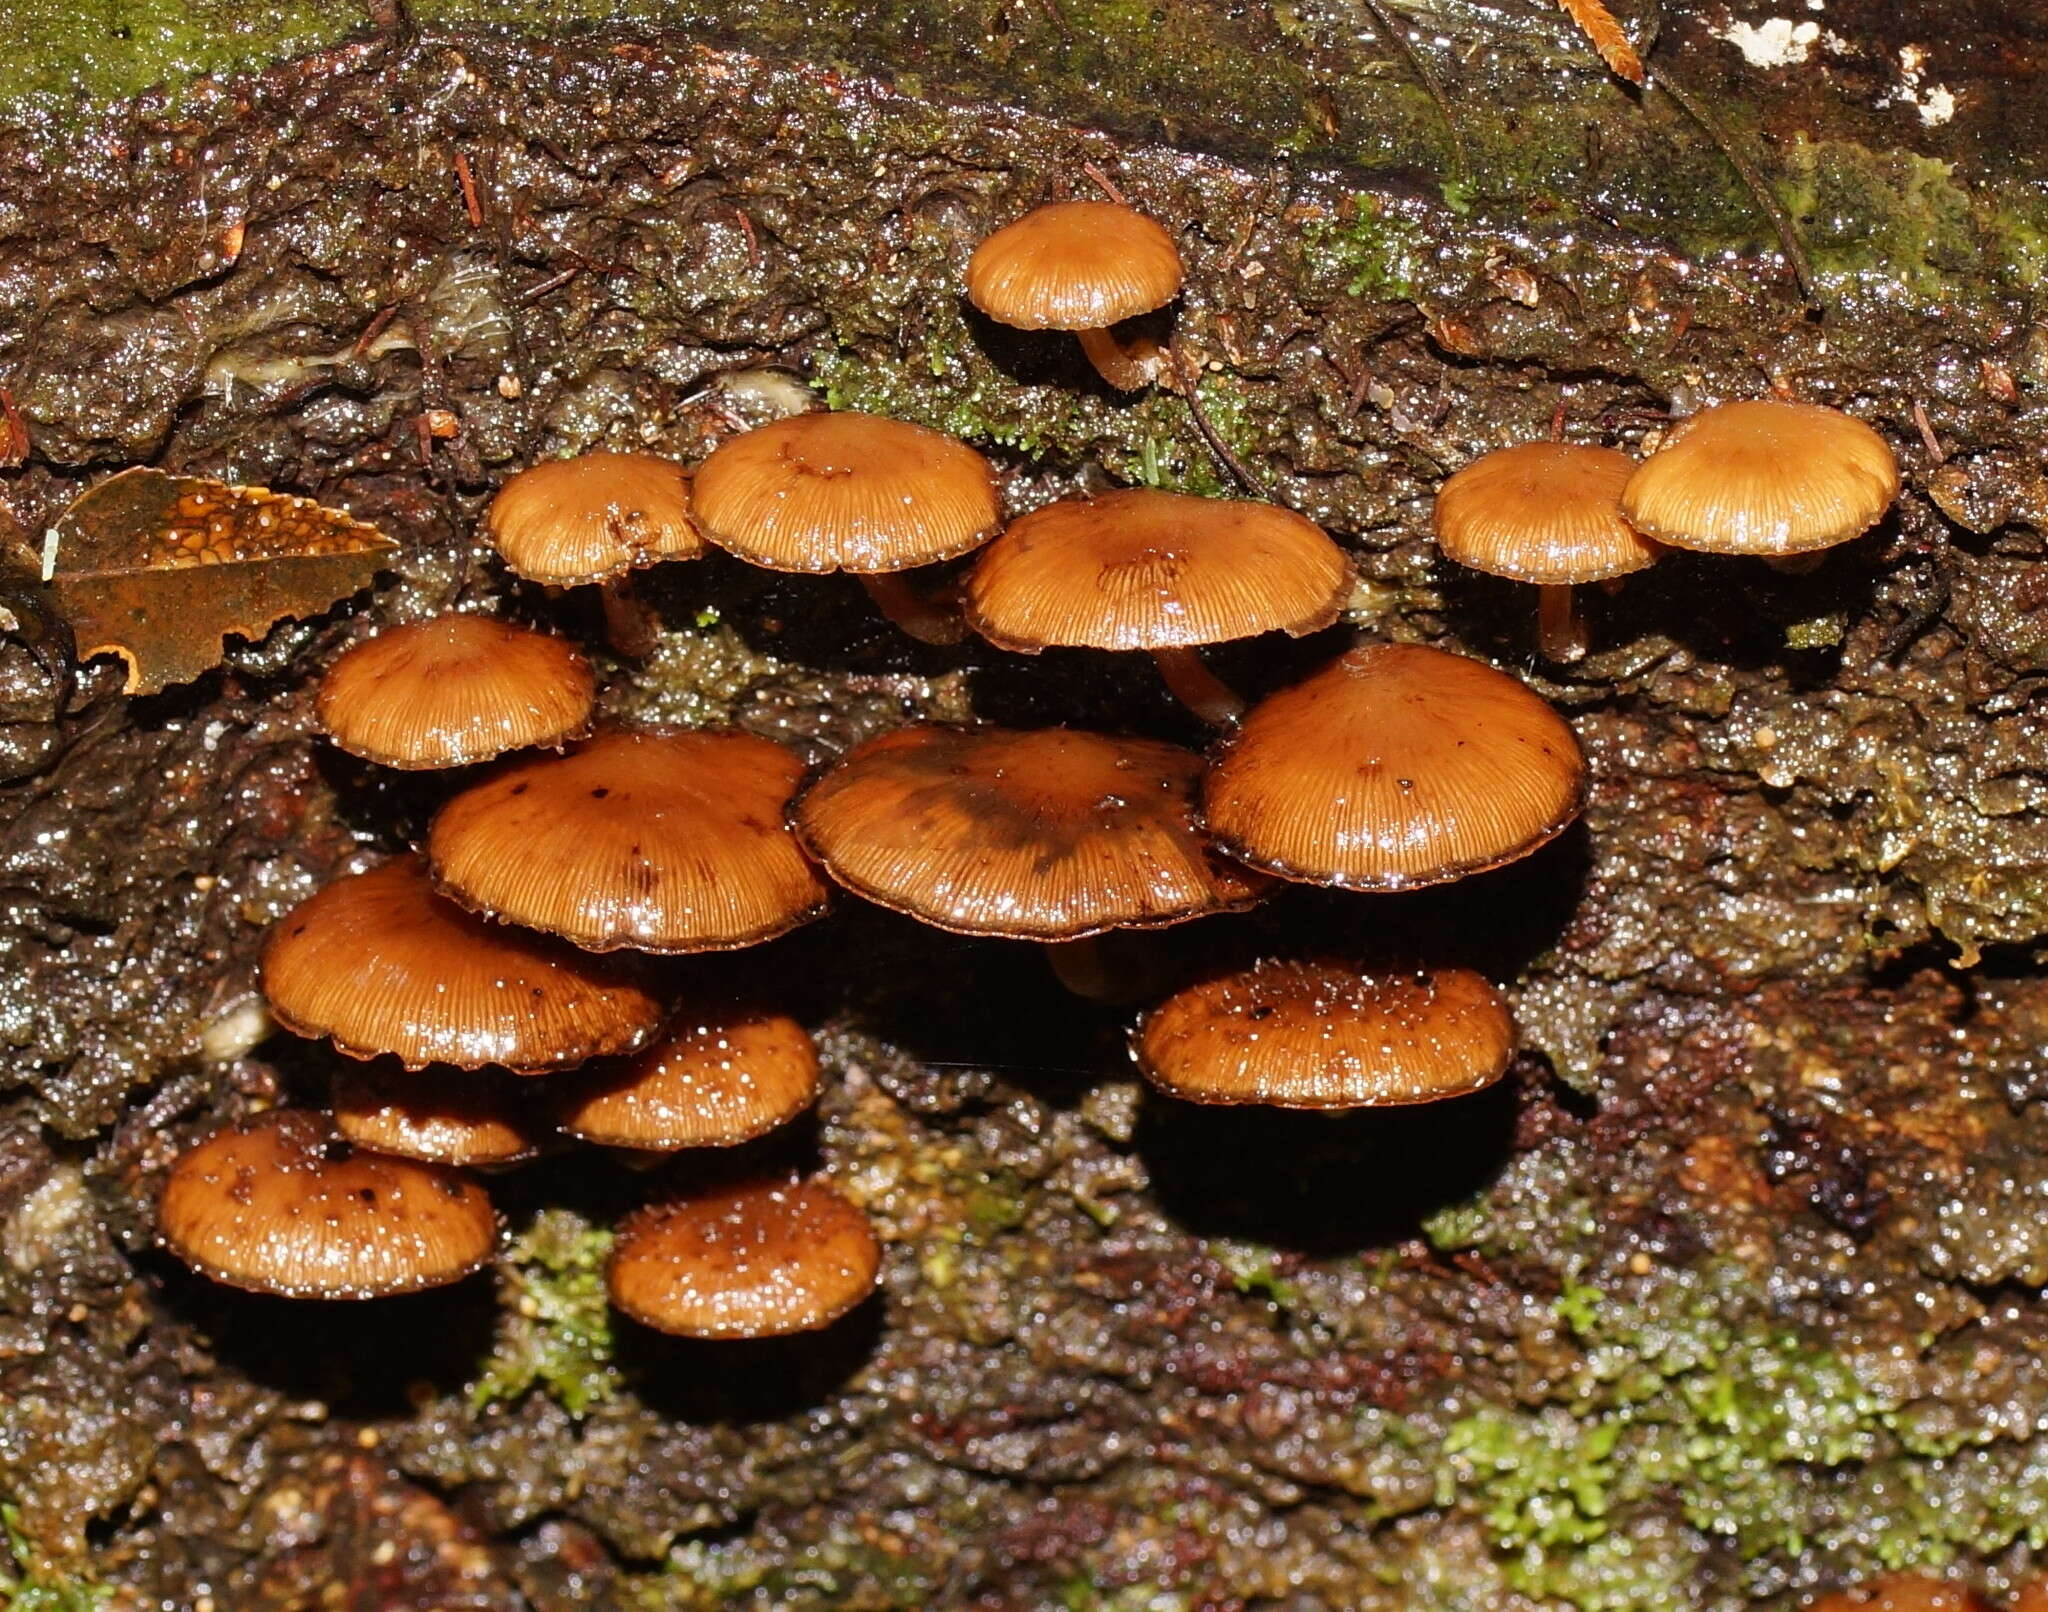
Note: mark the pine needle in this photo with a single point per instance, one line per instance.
(1597, 23)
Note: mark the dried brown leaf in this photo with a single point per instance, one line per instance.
(159, 569)
(1598, 25)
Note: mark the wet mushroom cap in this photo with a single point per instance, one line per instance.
(1315, 1034)
(1763, 478)
(599, 515)
(846, 492)
(455, 690)
(282, 1205)
(1047, 835)
(1139, 569)
(1542, 512)
(757, 1259)
(448, 1116)
(717, 1076)
(1394, 766)
(665, 841)
(1074, 265)
(378, 962)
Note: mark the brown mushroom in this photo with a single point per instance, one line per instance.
(756, 1259)
(379, 963)
(1394, 766)
(1049, 835)
(453, 691)
(719, 1075)
(1903, 1592)
(1765, 478)
(665, 840)
(1547, 513)
(1321, 1034)
(1160, 572)
(281, 1204)
(447, 1116)
(855, 493)
(597, 518)
(1082, 266)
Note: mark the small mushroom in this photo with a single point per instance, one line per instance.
(1049, 835)
(855, 493)
(1764, 478)
(756, 1259)
(1393, 767)
(1082, 266)
(596, 519)
(446, 1116)
(378, 962)
(1320, 1034)
(1547, 513)
(283, 1205)
(1159, 572)
(1905, 1592)
(453, 691)
(720, 1075)
(661, 840)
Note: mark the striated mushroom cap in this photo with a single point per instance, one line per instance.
(280, 1204)
(758, 1259)
(455, 690)
(846, 492)
(1394, 766)
(1138, 569)
(1543, 512)
(1046, 835)
(1074, 265)
(662, 840)
(446, 1116)
(1763, 478)
(720, 1075)
(1304, 1034)
(378, 962)
(599, 515)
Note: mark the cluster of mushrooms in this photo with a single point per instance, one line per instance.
(514, 939)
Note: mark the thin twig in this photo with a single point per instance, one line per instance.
(1191, 389)
(1428, 75)
(1107, 184)
(1781, 221)
(470, 203)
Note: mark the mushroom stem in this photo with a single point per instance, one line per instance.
(1796, 565)
(630, 625)
(1084, 967)
(1198, 688)
(1560, 633)
(1130, 365)
(925, 621)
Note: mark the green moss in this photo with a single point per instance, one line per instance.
(28, 1585)
(1251, 1271)
(556, 1330)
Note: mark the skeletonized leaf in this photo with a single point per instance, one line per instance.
(159, 569)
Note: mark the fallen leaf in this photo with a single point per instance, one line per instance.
(159, 569)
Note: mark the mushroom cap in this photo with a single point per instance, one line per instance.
(755, 1259)
(1074, 265)
(281, 1205)
(1048, 835)
(1138, 569)
(447, 1116)
(720, 1074)
(598, 515)
(1314, 1034)
(662, 840)
(1392, 767)
(378, 962)
(1907, 1592)
(455, 690)
(846, 492)
(1763, 478)
(1545, 512)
